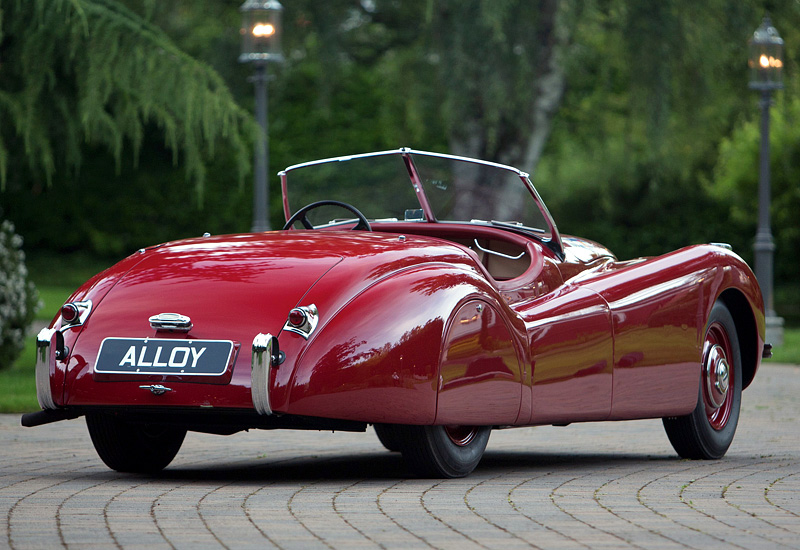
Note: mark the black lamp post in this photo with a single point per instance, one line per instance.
(261, 32)
(766, 75)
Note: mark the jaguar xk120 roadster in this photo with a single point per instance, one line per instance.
(428, 295)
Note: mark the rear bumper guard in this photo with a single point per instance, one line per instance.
(266, 354)
(47, 342)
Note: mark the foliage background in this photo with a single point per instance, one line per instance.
(651, 144)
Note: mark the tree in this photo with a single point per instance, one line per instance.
(735, 185)
(477, 78)
(652, 91)
(78, 73)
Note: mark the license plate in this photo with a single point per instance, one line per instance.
(162, 356)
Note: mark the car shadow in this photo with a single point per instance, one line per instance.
(391, 466)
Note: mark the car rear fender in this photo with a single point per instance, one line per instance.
(377, 359)
(51, 367)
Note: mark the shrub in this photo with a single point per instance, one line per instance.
(18, 297)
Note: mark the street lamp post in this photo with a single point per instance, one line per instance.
(261, 31)
(766, 75)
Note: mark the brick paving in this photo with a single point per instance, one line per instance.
(601, 485)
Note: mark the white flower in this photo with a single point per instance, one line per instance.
(18, 297)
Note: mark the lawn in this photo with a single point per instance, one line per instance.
(18, 384)
(789, 352)
(55, 277)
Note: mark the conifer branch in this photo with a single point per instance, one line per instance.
(92, 72)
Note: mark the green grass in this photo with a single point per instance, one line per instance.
(50, 270)
(789, 352)
(18, 384)
(51, 297)
(55, 277)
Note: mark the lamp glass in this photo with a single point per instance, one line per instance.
(766, 58)
(261, 31)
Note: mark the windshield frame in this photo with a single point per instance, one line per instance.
(553, 241)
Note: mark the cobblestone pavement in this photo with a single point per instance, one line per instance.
(602, 485)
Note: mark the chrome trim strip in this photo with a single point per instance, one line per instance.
(555, 236)
(492, 252)
(312, 318)
(171, 321)
(44, 394)
(260, 366)
(402, 151)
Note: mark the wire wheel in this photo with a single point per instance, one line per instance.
(461, 435)
(718, 376)
(708, 431)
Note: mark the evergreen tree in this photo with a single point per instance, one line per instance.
(78, 73)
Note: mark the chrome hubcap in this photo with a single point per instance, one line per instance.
(717, 375)
(460, 435)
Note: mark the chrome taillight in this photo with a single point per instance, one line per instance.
(297, 317)
(74, 314)
(302, 320)
(69, 313)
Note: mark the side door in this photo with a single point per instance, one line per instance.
(658, 309)
(570, 335)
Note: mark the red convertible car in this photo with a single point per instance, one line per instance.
(428, 295)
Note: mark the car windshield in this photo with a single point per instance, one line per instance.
(384, 186)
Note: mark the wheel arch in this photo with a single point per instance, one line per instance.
(381, 364)
(746, 331)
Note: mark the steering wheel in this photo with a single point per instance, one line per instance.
(301, 215)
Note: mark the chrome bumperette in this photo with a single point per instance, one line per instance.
(44, 342)
(174, 322)
(260, 367)
(50, 347)
(311, 315)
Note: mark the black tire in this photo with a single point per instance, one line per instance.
(443, 451)
(133, 447)
(708, 431)
(388, 436)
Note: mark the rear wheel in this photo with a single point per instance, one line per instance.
(708, 431)
(443, 451)
(388, 436)
(133, 447)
